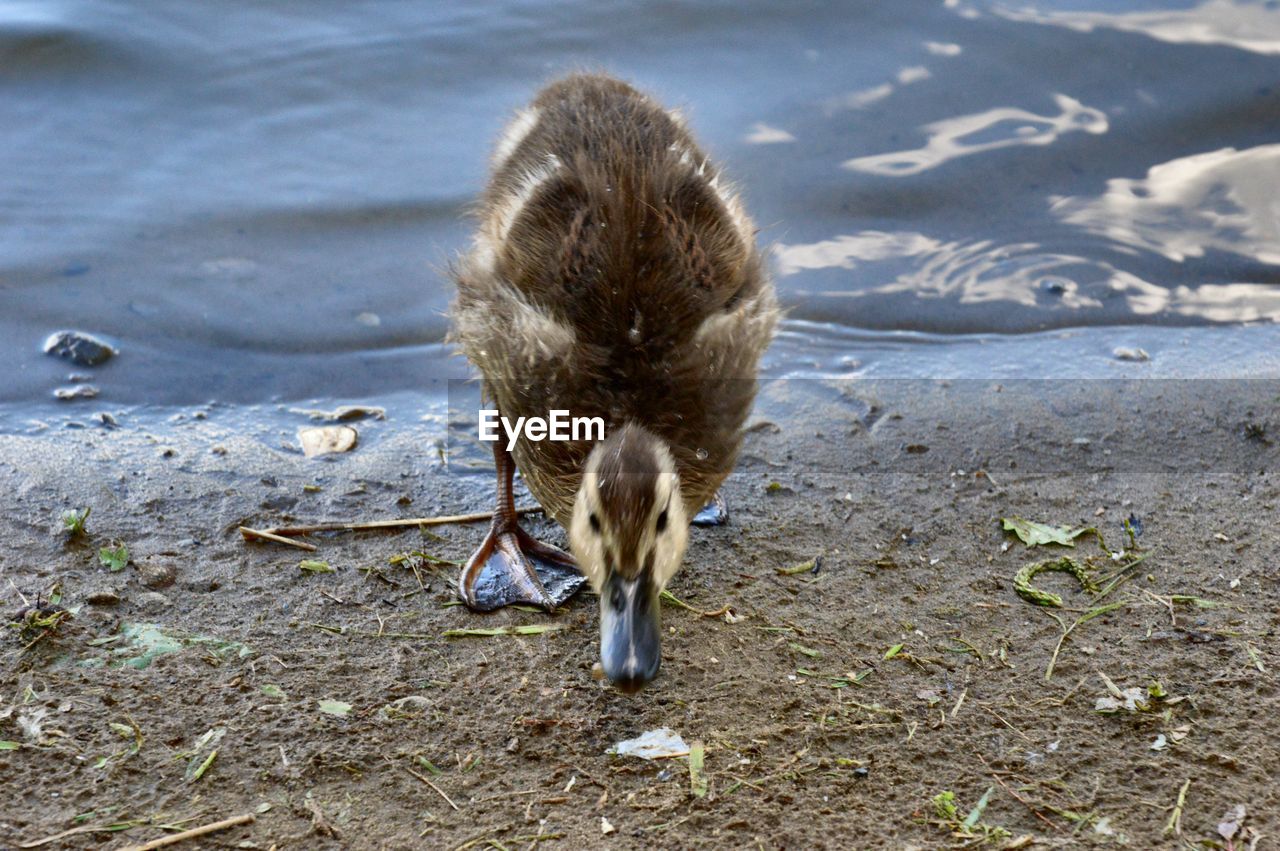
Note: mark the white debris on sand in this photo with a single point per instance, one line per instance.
(662, 743)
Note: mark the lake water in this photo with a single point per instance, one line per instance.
(255, 201)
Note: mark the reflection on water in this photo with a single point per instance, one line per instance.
(1218, 201)
(972, 273)
(1235, 23)
(1019, 274)
(257, 201)
(763, 134)
(990, 130)
(906, 76)
(844, 252)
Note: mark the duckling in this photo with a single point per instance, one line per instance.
(614, 274)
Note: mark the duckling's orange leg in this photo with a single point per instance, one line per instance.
(511, 566)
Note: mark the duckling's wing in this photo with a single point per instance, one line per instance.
(505, 334)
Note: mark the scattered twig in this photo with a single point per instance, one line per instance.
(250, 534)
(1015, 795)
(668, 597)
(393, 524)
(319, 822)
(76, 831)
(193, 832)
(363, 633)
(1174, 825)
(1067, 630)
(437, 789)
(997, 716)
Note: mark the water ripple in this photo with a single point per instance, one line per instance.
(1220, 200)
(1254, 27)
(965, 135)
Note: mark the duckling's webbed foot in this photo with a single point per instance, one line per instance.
(510, 566)
(714, 513)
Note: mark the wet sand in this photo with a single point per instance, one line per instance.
(813, 738)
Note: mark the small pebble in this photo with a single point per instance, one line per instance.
(1053, 286)
(157, 576)
(76, 391)
(327, 440)
(78, 347)
(152, 602)
(1131, 354)
(102, 598)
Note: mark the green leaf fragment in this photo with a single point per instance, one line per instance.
(273, 691)
(803, 567)
(1035, 534)
(334, 707)
(1198, 602)
(315, 566)
(944, 804)
(697, 778)
(114, 558)
(975, 815)
(9, 746)
(894, 651)
(73, 521)
(1022, 580)
(667, 597)
(204, 766)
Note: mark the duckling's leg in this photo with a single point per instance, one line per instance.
(714, 513)
(512, 567)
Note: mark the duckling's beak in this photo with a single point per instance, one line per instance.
(630, 648)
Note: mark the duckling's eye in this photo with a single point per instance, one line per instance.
(595, 523)
(662, 520)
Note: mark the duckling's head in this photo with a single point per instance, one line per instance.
(628, 534)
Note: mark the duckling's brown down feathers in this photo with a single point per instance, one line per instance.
(614, 274)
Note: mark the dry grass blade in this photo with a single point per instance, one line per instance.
(392, 524)
(258, 534)
(193, 833)
(519, 629)
(437, 789)
(1174, 825)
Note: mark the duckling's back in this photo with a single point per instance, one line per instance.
(615, 274)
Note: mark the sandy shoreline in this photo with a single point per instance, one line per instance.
(876, 477)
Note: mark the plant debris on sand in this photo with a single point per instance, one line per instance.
(861, 658)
